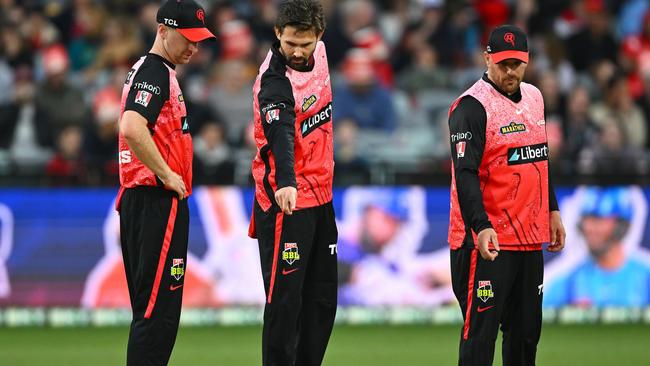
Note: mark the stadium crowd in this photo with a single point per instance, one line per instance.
(396, 68)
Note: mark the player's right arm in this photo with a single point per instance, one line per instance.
(278, 120)
(136, 133)
(467, 123)
(149, 91)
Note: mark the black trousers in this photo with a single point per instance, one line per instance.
(506, 293)
(154, 226)
(298, 258)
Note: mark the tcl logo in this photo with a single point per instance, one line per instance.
(171, 22)
(124, 157)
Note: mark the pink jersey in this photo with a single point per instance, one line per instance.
(513, 172)
(313, 152)
(151, 89)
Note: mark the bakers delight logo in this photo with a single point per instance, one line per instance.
(527, 154)
(323, 116)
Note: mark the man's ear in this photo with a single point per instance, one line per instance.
(162, 31)
(278, 32)
(320, 36)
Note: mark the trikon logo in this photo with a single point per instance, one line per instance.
(527, 154)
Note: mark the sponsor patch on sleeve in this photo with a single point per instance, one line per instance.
(271, 112)
(143, 98)
(460, 149)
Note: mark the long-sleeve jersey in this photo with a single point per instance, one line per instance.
(293, 130)
(151, 89)
(493, 164)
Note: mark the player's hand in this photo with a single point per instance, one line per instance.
(485, 237)
(174, 182)
(558, 234)
(286, 199)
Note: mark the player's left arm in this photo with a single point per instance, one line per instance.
(558, 234)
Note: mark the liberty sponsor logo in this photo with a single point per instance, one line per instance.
(540, 289)
(513, 127)
(323, 116)
(290, 253)
(527, 154)
(484, 291)
(460, 149)
(461, 136)
(185, 125)
(143, 98)
(308, 102)
(178, 268)
(143, 85)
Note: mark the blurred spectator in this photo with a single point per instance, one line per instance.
(230, 95)
(425, 72)
(236, 40)
(86, 34)
(100, 135)
(595, 42)
(613, 155)
(58, 103)
(635, 57)
(580, 132)
(212, 156)
(14, 49)
(618, 105)
(67, 166)
(120, 47)
(18, 124)
(350, 168)
(632, 17)
(361, 97)
(553, 98)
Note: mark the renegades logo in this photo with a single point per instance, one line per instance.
(290, 253)
(484, 291)
(178, 268)
(272, 115)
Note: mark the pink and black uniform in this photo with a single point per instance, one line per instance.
(154, 223)
(500, 180)
(293, 132)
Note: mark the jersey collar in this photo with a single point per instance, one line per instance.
(515, 97)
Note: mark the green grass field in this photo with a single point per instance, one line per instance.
(355, 346)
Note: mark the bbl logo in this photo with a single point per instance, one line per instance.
(178, 268)
(484, 291)
(290, 253)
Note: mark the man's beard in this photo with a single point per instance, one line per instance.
(299, 64)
